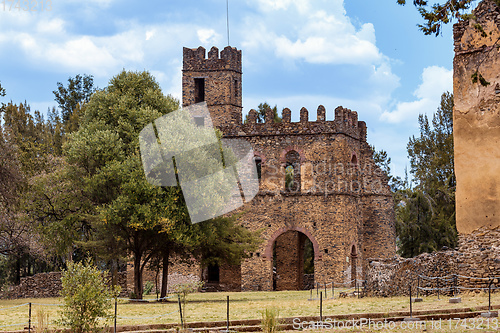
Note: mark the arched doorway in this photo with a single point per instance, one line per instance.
(293, 261)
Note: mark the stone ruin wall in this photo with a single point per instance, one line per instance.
(44, 285)
(477, 255)
(476, 119)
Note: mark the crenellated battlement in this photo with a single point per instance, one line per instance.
(196, 60)
(346, 122)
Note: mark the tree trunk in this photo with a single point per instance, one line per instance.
(137, 276)
(164, 278)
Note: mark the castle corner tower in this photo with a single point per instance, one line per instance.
(215, 80)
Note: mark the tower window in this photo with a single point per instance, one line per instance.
(199, 90)
(258, 165)
(235, 88)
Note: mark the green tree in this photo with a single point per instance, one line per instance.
(383, 161)
(2, 91)
(129, 211)
(261, 113)
(426, 213)
(28, 142)
(86, 297)
(443, 12)
(71, 99)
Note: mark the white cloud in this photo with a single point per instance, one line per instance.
(273, 5)
(50, 27)
(315, 31)
(435, 81)
(208, 36)
(150, 34)
(81, 53)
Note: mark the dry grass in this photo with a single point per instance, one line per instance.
(244, 305)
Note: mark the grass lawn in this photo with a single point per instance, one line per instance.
(243, 305)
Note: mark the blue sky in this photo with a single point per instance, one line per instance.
(368, 56)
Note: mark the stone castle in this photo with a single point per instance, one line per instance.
(335, 206)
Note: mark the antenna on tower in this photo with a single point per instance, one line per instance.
(227, 20)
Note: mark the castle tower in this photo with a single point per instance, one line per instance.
(215, 80)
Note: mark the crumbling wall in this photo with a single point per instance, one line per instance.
(476, 119)
(477, 256)
(44, 285)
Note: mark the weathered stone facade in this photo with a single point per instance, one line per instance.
(477, 256)
(339, 198)
(476, 119)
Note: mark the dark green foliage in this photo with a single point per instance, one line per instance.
(478, 77)
(426, 214)
(438, 14)
(72, 97)
(261, 113)
(384, 161)
(479, 28)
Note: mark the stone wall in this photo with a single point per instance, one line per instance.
(180, 271)
(476, 119)
(477, 256)
(49, 285)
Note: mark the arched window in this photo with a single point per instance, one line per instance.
(354, 161)
(292, 171)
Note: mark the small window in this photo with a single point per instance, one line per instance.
(326, 251)
(199, 121)
(199, 90)
(235, 88)
(258, 165)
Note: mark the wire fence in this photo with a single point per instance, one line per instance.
(29, 324)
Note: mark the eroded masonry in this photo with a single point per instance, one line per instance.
(323, 205)
(476, 121)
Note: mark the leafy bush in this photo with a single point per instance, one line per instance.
(86, 297)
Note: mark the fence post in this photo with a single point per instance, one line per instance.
(411, 309)
(180, 309)
(317, 289)
(326, 296)
(116, 312)
(489, 295)
(437, 284)
(228, 313)
(321, 306)
(333, 289)
(418, 285)
(29, 318)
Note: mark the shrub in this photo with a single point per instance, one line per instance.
(86, 297)
(270, 320)
(148, 287)
(184, 289)
(42, 321)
